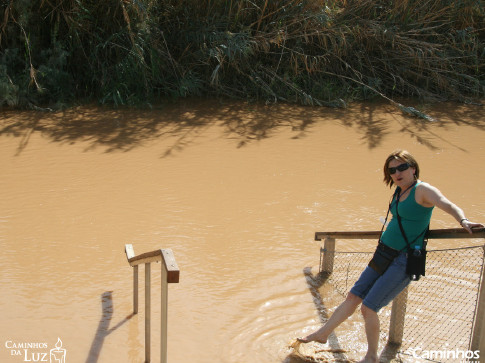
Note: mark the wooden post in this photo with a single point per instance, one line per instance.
(328, 255)
(130, 253)
(170, 274)
(135, 289)
(164, 316)
(398, 314)
(147, 312)
(478, 334)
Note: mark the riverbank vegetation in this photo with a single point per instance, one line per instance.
(56, 52)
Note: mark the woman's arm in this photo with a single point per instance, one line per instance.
(429, 196)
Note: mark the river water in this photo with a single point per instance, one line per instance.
(235, 189)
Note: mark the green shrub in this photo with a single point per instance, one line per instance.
(305, 51)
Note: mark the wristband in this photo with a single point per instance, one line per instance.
(461, 222)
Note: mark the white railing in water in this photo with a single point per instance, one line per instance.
(398, 310)
(170, 274)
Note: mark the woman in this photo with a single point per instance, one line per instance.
(415, 200)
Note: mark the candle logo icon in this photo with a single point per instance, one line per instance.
(58, 354)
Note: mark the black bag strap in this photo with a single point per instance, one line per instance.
(387, 215)
(401, 227)
(425, 232)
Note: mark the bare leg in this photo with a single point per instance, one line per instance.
(344, 310)
(372, 324)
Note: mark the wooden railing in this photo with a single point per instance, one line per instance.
(170, 274)
(398, 310)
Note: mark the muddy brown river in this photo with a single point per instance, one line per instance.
(235, 189)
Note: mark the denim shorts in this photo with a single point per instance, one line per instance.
(377, 291)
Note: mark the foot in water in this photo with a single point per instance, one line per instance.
(315, 337)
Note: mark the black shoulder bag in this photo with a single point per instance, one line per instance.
(416, 258)
(383, 255)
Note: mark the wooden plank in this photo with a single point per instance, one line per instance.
(148, 257)
(456, 233)
(130, 252)
(173, 272)
(433, 234)
(347, 235)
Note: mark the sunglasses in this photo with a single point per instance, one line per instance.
(401, 167)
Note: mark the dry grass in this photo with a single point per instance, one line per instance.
(312, 52)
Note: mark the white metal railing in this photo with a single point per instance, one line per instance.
(170, 274)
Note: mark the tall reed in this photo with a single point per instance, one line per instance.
(54, 52)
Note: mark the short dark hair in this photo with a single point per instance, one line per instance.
(404, 156)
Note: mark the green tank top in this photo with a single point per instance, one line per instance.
(414, 218)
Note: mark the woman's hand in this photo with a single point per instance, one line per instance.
(468, 225)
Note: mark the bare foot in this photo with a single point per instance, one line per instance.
(318, 337)
(369, 360)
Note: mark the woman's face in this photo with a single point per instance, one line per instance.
(401, 173)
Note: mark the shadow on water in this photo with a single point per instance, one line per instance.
(104, 329)
(183, 122)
